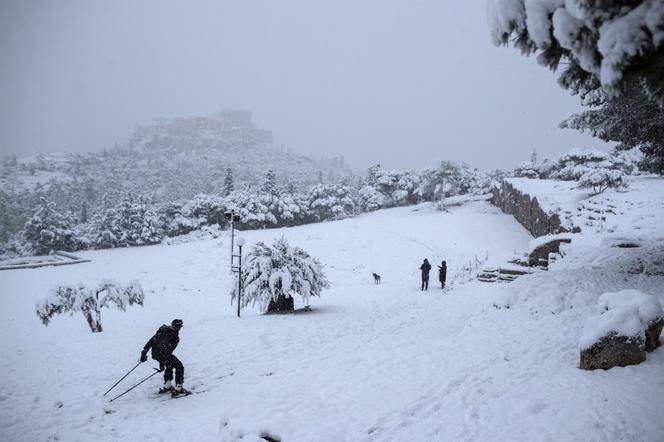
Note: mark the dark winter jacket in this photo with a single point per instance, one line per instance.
(442, 272)
(426, 268)
(163, 342)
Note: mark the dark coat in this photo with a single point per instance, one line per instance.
(442, 272)
(163, 342)
(426, 268)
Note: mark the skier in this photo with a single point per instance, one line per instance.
(442, 273)
(426, 268)
(163, 343)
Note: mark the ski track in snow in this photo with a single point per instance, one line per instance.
(370, 363)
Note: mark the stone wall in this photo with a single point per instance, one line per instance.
(526, 210)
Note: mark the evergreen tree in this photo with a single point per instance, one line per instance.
(270, 183)
(631, 119)
(50, 230)
(84, 213)
(613, 57)
(228, 182)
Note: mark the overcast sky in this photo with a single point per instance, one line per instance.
(403, 83)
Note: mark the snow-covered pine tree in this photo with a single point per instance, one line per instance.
(609, 49)
(228, 182)
(633, 120)
(79, 298)
(271, 276)
(603, 44)
(49, 230)
(148, 229)
(269, 183)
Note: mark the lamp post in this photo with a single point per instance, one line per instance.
(232, 218)
(238, 269)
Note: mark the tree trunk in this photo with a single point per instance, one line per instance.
(282, 304)
(94, 323)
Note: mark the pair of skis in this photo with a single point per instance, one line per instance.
(183, 394)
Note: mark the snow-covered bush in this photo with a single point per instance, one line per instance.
(526, 169)
(209, 209)
(330, 202)
(253, 209)
(271, 276)
(396, 187)
(369, 199)
(49, 230)
(574, 163)
(79, 298)
(601, 179)
(133, 223)
(176, 219)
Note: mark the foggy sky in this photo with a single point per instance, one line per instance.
(403, 83)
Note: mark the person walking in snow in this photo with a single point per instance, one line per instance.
(163, 344)
(426, 268)
(442, 273)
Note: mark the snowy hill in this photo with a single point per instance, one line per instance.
(167, 161)
(370, 362)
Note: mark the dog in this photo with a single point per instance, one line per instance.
(376, 278)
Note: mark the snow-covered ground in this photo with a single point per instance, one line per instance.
(636, 210)
(370, 362)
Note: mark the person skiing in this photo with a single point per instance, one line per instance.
(426, 268)
(162, 344)
(442, 273)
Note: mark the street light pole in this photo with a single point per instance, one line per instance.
(232, 240)
(238, 269)
(239, 280)
(232, 218)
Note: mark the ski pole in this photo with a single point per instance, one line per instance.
(122, 394)
(122, 378)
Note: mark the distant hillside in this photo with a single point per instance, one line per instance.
(168, 160)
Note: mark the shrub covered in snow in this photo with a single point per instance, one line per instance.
(331, 202)
(271, 276)
(601, 179)
(526, 169)
(79, 298)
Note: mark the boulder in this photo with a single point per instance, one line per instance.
(613, 350)
(628, 326)
(541, 247)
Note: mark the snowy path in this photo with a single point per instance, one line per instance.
(371, 362)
